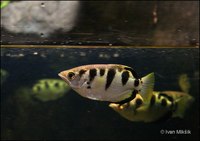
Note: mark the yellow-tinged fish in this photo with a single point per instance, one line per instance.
(49, 89)
(108, 82)
(161, 106)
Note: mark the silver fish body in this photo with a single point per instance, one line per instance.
(106, 82)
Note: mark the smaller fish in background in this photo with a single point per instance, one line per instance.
(49, 89)
(108, 82)
(4, 75)
(160, 107)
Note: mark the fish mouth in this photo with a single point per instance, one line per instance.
(64, 78)
(67, 81)
(71, 84)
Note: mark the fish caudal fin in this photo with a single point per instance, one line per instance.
(147, 86)
(183, 104)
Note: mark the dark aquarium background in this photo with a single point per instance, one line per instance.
(41, 38)
(75, 117)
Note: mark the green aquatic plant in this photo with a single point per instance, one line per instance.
(49, 89)
(4, 3)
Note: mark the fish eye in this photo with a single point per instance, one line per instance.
(71, 75)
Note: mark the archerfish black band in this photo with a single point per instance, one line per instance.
(110, 77)
(92, 73)
(125, 77)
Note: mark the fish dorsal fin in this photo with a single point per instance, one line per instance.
(132, 71)
(147, 86)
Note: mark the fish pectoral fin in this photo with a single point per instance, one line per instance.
(147, 86)
(84, 84)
